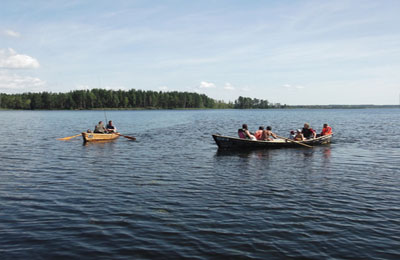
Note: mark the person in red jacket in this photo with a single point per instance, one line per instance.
(259, 133)
(326, 130)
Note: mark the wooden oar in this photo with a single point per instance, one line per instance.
(287, 139)
(126, 136)
(68, 137)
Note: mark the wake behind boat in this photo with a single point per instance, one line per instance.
(227, 142)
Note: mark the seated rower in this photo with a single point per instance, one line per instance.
(326, 130)
(99, 128)
(259, 133)
(308, 132)
(110, 127)
(292, 135)
(299, 136)
(244, 133)
(268, 135)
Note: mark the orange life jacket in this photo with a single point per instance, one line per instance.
(258, 134)
(326, 130)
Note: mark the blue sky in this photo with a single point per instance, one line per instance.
(290, 52)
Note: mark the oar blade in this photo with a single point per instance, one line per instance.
(130, 137)
(68, 137)
(127, 136)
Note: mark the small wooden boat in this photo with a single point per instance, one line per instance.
(227, 142)
(97, 137)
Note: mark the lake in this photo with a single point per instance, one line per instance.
(172, 194)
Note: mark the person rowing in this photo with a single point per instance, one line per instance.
(110, 127)
(259, 132)
(268, 135)
(308, 132)
(299, 135)
(244, 133)
(99, 128)
(292, 135)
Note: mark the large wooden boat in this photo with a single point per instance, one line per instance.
(227, 142)
(97, 137)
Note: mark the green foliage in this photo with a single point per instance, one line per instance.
(119, 99)
(246, 103)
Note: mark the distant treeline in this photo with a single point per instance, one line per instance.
(343, 106)
(120, 99)
(250, 103)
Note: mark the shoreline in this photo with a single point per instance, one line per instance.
(272, 108)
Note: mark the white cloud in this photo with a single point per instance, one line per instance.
(205, 84)
(13, 82)
(163, 88)
(10, 59)
(12, 33)
(228, 86)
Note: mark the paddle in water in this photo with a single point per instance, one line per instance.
(126, 136)
(290, 140)
(68, 137)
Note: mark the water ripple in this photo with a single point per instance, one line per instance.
(173, 195)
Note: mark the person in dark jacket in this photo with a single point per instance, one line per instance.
(308, 132)
(110, 127)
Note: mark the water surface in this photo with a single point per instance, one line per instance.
(173, 194)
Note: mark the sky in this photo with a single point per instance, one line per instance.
(284, 51)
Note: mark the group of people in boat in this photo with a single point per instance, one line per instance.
(109, 128)
(267, 135)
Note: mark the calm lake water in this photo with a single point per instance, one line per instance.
(172, 194)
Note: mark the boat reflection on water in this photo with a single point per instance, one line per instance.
(282, 161)
(327, 152)
(273, 153)
(244, 153)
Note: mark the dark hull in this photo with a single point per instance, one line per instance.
(226, 142)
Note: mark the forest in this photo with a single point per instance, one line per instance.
(121, 99)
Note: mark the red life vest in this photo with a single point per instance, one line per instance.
(258, 134)
(326, 130)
